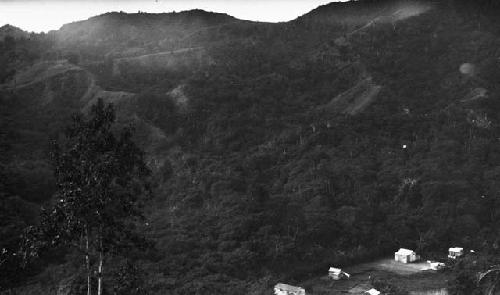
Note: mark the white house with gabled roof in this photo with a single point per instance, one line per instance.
(337, 274)
(405, 256)
(455, 252)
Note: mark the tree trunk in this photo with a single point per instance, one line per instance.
(99, 275)
(101, 258)
(87, 261)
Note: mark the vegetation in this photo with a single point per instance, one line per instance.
(99, 179)
(255, 179)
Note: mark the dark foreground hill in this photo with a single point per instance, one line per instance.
(277, 149)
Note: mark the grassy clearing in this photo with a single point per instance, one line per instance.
(412, 277)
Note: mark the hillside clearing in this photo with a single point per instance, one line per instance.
(411, 277)
(355, 99)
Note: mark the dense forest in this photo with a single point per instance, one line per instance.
(275, 150)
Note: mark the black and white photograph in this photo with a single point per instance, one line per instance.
(249, 147)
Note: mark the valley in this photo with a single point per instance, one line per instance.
(276, 149)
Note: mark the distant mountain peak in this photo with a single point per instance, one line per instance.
(13, 31)
(365, 11)
(117, 30)
(195, 13)
(9, 27)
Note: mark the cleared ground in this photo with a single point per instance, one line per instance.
(411, 277)
(389, 265)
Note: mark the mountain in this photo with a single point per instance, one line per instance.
(112, 33)
(14, 32)
(277, 150)
(365, 13)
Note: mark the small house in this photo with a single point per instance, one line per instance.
(337, 274)
(373, 292)
(436, 265)
(284, 289)
(405, 256)
(455, 252)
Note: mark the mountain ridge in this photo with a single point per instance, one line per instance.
(279, 150)
(12, 31)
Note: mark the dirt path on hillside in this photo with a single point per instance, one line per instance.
(355, 99)
(41, 72)
(178, 51)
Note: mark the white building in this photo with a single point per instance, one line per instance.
(455, 252)
(373, 292)
(284, 289)
(435, 265)
(405, 256)
(337, 274)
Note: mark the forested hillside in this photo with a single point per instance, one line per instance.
(277, 150)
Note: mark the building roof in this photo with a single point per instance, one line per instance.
(373, 292)
(335, 270)
(436, 263)
(456, 249)
(403, 251)
(286, 287)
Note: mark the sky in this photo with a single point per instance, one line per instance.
(45, 15)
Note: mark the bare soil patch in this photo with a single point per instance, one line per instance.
(411, 277)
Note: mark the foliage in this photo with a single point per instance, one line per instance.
(129, 280)
(100, 178)
(257, 178)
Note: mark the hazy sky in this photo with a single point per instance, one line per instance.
(45, 15)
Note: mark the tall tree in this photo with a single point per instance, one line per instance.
(101, 175)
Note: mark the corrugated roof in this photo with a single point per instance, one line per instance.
(335, 270)
(456, 249)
